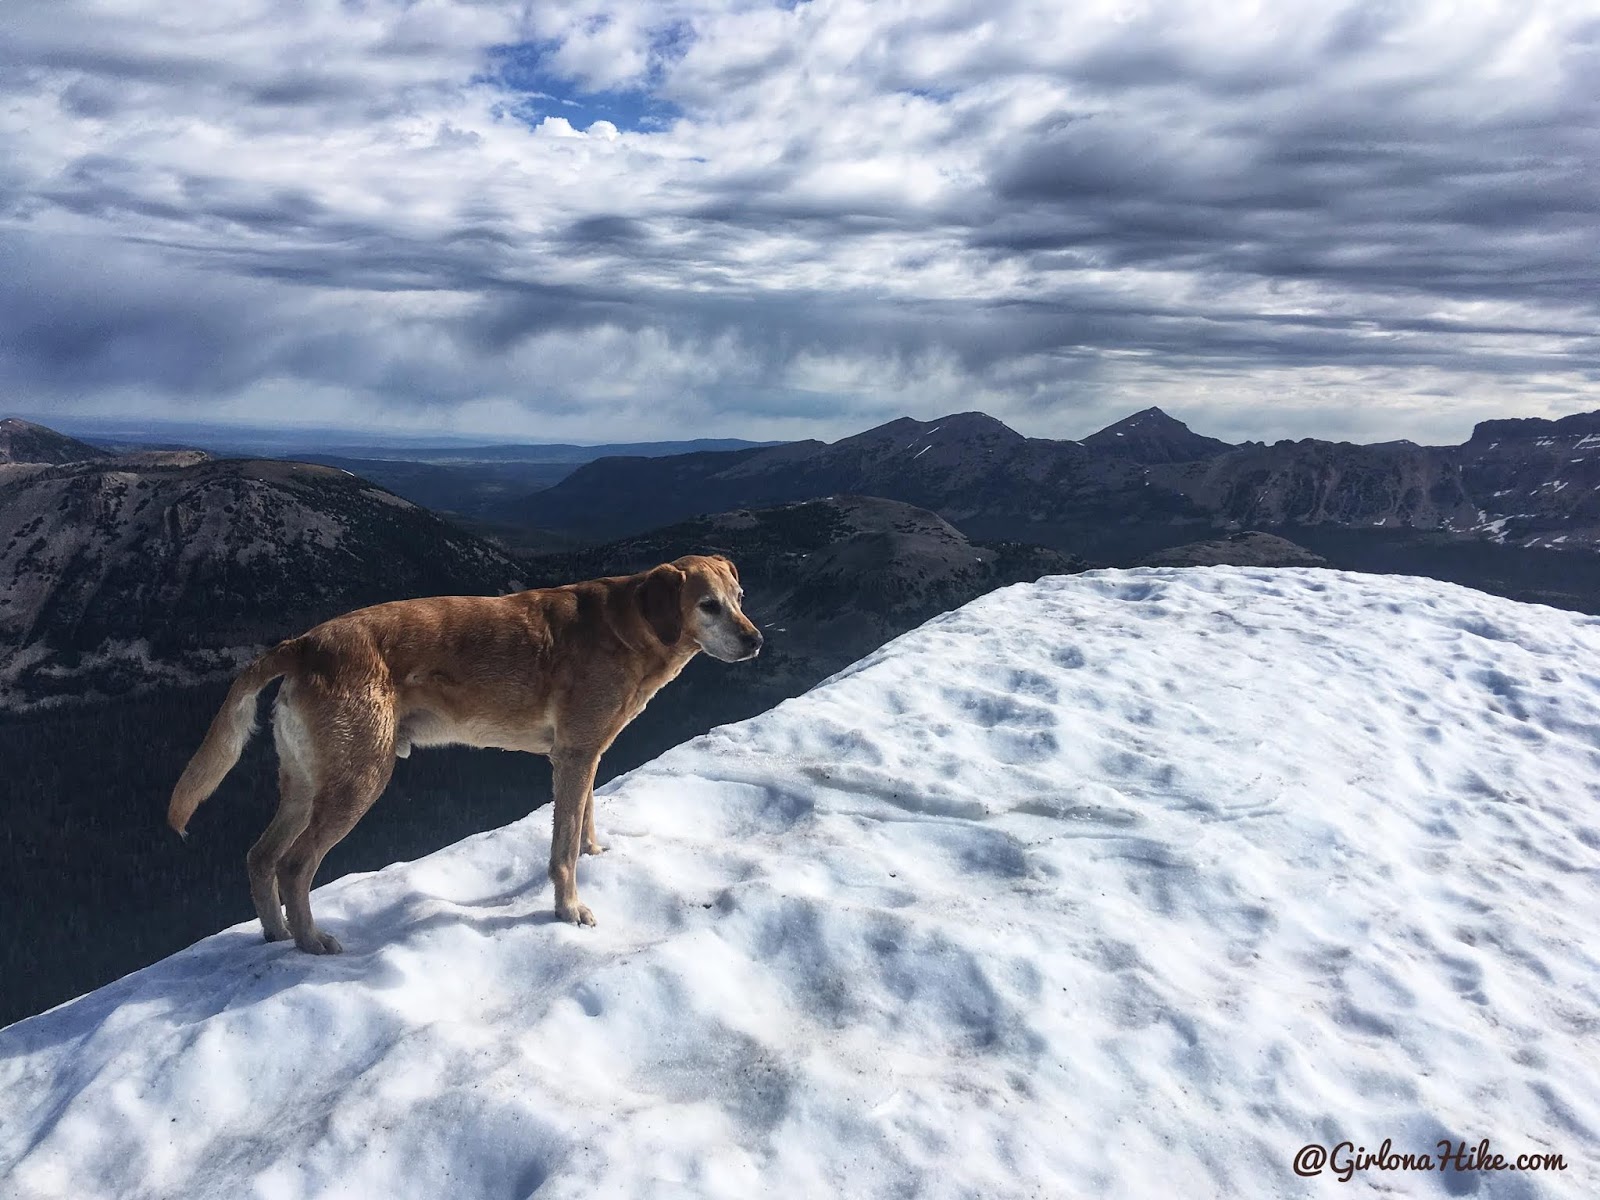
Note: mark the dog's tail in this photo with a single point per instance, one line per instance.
(230, 730)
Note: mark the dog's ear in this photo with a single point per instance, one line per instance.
(661, 602)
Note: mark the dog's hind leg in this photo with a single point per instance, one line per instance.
(334, 813)
(354, 759)
(293, 815)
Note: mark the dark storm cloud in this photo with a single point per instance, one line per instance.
(606, 233)
(1404, 188)
(796, 211)
(75, 317)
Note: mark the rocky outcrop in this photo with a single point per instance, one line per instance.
(1535, 483)
(1237, 550)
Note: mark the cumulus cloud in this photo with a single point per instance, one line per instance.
(1366, 220)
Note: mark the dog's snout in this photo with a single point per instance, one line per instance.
(753, 641)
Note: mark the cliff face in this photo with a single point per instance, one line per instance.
(1531, 429)
(1395, 485)
(117, 573)
(1536, 483)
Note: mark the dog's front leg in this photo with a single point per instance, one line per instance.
(574, 784)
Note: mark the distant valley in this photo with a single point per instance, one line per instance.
(464, 479)
(478, 482)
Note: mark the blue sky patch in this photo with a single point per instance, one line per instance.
(535, 92)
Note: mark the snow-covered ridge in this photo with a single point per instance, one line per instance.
(1125, 883)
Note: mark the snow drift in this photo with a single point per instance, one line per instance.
(1127, 883)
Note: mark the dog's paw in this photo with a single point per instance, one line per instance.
(276, 935)
(593, 848)
(575, 914)
(320, 943)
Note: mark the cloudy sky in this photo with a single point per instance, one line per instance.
(667, 218)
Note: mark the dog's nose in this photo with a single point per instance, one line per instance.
(753, 641)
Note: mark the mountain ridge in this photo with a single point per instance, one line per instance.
(27, 442)
(119, 573)
(1537, 488)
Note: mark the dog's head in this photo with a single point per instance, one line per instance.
(699, 597)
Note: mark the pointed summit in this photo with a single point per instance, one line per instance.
(1151, 420)
(1152, 436)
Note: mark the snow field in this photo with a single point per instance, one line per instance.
(1128, 883)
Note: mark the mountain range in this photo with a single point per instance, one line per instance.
(121, 573)
(1147, 478)
(166, 566)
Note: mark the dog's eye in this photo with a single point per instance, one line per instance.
(710, 606)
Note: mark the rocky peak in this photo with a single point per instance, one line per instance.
(1152, 436)
(1145, 420)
